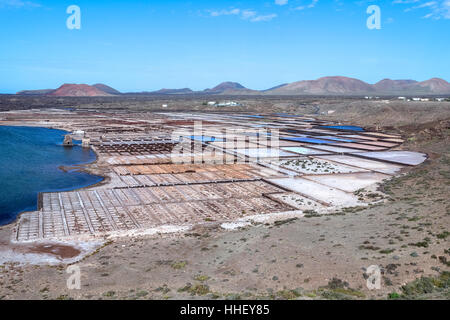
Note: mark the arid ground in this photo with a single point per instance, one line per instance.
(316, 257)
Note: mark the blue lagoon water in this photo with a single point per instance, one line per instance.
(29, 163)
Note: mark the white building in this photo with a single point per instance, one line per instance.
(228, 104)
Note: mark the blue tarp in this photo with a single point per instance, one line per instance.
(348, 128)
(205, 138)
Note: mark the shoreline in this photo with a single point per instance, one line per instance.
(82, 168)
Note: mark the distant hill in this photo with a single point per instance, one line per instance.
(174, 91)
(434, 85)
(35, 92)
(230, 88)
(78, 90)
(276, 87)
(388, 85)
(351, 86)
(224, 86)
(74, 90)
(323, 86)
(107, 89)
(408, 87)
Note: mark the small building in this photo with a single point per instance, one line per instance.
(228, 104)
(78, 134)
(68, 142)
(86, 143)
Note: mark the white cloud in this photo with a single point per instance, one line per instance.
(225, 12)
(405, 1)
(309, 6)
(264, 18)
(18, 4)
(281, 2)
(245, 14)
(437, 9)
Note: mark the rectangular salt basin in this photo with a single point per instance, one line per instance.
(355, 136)
(285, 143)
(382, 167)
(318, 192)
(302, 150)
(401, 157)
(360, 146)
(346, 128)
(310, 140)
(232, 145)
(335, 149)
(349, 182)
(264, 153)
(381, 144)
(339, 139)
(205, 138)
(378, 134)
(299, 202)
(317, 166)
(394, 140)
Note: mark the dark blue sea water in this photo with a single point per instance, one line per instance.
(29, 163)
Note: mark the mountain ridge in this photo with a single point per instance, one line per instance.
(332, 85)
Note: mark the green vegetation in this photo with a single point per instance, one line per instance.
(289, 294)
(339, 290)
(202, 278)
(179, 265)
(443, 235)
(425, 287)
(195, 290)
(287, 221)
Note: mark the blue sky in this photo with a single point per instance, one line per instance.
(147, 45)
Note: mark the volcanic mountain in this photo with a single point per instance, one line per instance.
(78, 90)
(350, 86)
(388, 85)
(229, 88)
(325, 86)
(107, 89)
(435, 85)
